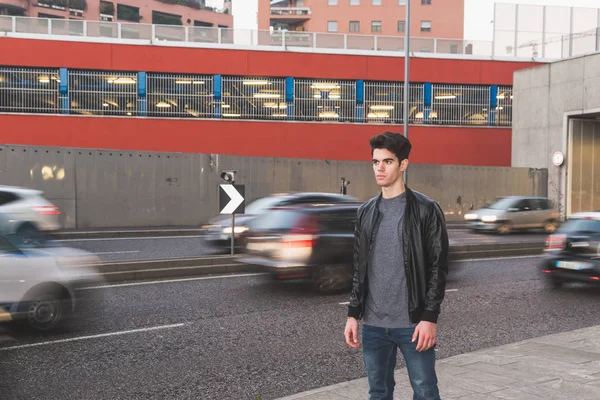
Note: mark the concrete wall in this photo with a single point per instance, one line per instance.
(100, 188)
(545, 98)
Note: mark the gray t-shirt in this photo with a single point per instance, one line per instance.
(387, 301)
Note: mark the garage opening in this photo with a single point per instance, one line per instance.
(583, 173)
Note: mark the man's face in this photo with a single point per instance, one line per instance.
(388, 170)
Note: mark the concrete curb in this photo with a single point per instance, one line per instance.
(189, 267)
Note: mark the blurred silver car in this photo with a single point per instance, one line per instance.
(39, 280)
(27, 207)
(515, 213)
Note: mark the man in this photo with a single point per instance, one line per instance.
(400, 269)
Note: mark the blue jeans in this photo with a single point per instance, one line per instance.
(380, 347)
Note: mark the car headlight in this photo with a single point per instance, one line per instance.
(470, 217)
(237, 230)
(489, 218)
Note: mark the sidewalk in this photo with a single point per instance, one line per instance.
(560, 366)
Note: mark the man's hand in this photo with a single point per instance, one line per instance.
(426, 332)
(351, 333)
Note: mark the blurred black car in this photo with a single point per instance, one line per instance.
(312, 241)
(573, 252)
(217, 233)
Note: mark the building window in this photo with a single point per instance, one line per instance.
(426, 2)
(127, 13)
(454, 49)
(425, 26)
(425, 50)
(401, 2)
(401, 26)
(332, 2)
(161, 18)
(355, 2)
(354, 26)
(43, 15)
(107, 8)
(332, 26)
(376, 26)
(202, 24)
(376, 2)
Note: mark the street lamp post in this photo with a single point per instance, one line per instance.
(406, 74)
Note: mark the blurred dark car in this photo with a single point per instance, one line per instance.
(217, 233)
(573, 253)
(313, 241)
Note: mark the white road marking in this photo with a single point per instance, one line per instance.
(116, 252)
(498, 258)
(452, 290)
(171, 281)
(130, 238)
(345, 303)
(102, 335)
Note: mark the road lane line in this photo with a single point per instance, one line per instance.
(102, 335)
(170, 281)
(129, 238)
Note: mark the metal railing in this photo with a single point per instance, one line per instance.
(505, 106)
(290, 11)
(384, 102)
(460, 105)
(29, 90)
(83, 92)
(180, 95)
(153, 34)
(254, 98)
(324, 100)
(103, 93)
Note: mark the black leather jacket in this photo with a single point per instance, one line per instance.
(425, 255)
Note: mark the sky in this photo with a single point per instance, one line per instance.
(478, 13)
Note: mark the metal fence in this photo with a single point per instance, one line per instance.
(324, 100)
(384, 102)
(254, 98)
(505, 106)
(460, 105)
(38, 90)
(34, 90)
(180, 95)
(154, 34)
(103, 93)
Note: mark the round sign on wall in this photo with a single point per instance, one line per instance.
(558, 158)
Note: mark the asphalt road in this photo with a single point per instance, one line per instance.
(238, 337)
(127, 249)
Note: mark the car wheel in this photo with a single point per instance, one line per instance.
(29, 234)
(46, 312)
(550, 226)
(505, 228)
(332, 278)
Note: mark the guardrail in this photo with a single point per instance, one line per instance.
(152, 33)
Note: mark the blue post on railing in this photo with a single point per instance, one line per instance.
(360, 101)
(63, 87)
(217, 95)
(289, 97)
(427, 99)
(142, 94)
(493, 105)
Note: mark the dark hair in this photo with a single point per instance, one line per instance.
(394, 142)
